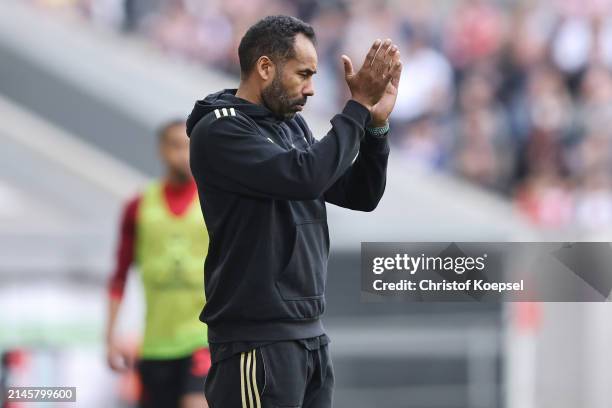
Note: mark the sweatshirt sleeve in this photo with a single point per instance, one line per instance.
(230, 153)
(362, 186)
(125, 249)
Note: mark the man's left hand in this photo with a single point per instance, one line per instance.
(380, 112)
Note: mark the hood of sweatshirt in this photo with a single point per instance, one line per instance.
(227, 98)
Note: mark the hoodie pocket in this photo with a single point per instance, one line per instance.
(304, 275)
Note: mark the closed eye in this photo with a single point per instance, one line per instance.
(307, 73)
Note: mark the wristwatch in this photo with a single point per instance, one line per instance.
(378, 131)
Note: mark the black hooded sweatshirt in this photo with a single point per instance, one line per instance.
(263, 183)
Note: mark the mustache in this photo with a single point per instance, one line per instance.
(301, 102)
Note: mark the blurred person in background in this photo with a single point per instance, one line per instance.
(474, 34)
(594, 200)
(595, 97)
(545, 192)
(422, 142)
(546, 197)
(545, 115)
(430, 90)
(582, 37)
(162, 233)
(483, 152)
(476, 157)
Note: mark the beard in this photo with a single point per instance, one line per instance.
(278, 101)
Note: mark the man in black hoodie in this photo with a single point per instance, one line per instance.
(263, 180)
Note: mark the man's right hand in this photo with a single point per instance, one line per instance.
(118, 357)
(369, 83)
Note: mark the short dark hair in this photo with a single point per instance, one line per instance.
(162, 131)
(273, 36)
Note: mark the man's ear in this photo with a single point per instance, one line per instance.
(265, 68)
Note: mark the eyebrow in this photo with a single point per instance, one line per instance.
(308, 71)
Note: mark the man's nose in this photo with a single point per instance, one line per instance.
(308, 90)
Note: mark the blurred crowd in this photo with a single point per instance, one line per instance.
(513, 96)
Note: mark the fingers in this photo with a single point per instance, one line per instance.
(379, 69)
(381, 55)
(348, 66)
(396, 73)
(372, 53)
(393, 56)
(120, 360)
(116, 362)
